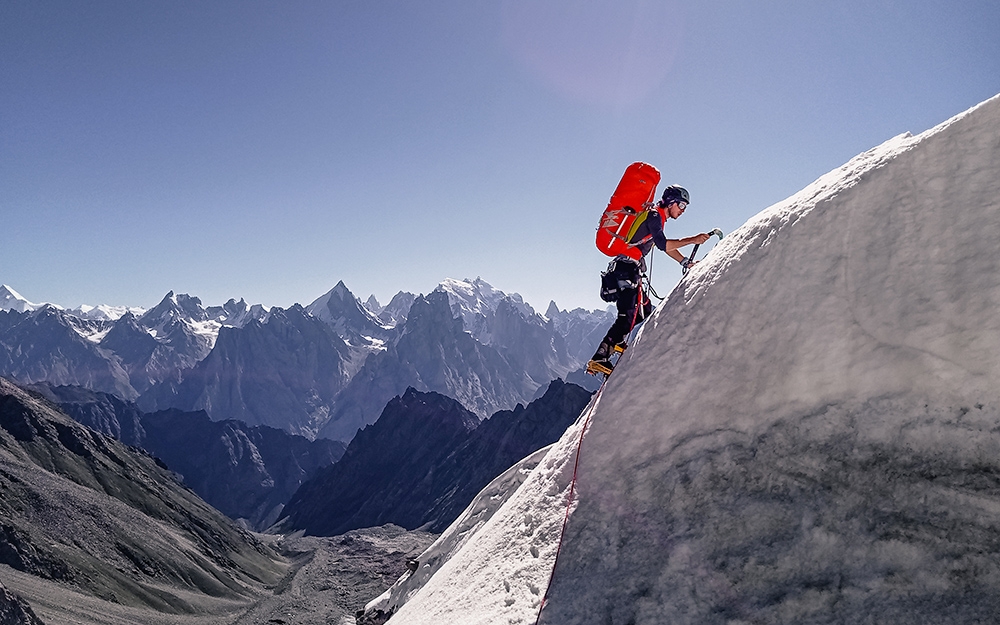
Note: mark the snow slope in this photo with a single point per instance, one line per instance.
(805, 431)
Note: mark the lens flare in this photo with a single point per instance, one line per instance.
(597, 52)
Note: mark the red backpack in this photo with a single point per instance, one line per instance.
(635, 193)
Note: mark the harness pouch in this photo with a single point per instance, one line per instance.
(622, 274)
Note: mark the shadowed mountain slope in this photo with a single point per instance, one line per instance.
(246, 472)
(425, 459)
(86, 511)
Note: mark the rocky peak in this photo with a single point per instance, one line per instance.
(396, 311)
(431, 315)
(373, 305)
(174, 306)
(345, 313)
(415, 431)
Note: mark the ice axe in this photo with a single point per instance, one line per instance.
(690, 260)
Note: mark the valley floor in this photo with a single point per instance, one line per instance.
(328, 581)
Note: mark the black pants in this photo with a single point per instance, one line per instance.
(630, 313)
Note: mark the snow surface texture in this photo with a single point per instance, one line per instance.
(492, 565)
(471, 520)
(805, 431)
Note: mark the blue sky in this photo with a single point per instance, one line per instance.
(266, 150)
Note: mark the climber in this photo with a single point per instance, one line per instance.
(632, 304)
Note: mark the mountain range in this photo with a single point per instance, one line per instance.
(323, 370)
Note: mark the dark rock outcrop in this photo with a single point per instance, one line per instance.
(497, 444)
(383, 476)
(246, 472)
(582, 330)
(103, 412)
(424, 461)
(14, 610)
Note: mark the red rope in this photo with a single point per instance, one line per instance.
(638, 305)
(576, 468)
(569, 504)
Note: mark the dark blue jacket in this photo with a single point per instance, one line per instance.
(650, 233)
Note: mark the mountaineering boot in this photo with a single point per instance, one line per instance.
(601, 360)
(600, 366)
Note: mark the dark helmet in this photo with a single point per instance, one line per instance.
(674, 193)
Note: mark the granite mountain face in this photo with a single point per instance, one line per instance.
(582, 330)
(284, 373)
(433, 353)
(184, 333)
(50, 345)
(394, 313)
(466, 340)
(350, 319)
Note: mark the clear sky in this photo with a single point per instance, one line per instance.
(266, 150)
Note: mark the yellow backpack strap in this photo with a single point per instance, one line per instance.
(640, 218)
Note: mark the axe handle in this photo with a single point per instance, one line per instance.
(690, 258)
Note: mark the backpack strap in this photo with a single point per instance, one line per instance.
(639, 220)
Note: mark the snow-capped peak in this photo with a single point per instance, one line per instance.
(12, 300)
(103, 312)
(339, 306)
(476, 300)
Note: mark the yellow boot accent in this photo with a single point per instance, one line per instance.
(599, 366)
